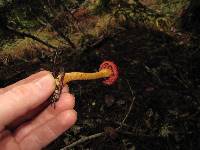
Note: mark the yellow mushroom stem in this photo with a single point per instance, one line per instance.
(71, 76)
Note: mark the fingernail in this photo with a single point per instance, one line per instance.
(71, 114)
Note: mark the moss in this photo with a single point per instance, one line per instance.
(169, 7)
(94, 26)
(21, 18)
(18, 47)
(102, 26)
(98, 6)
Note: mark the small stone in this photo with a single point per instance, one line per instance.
(93, 103)
(109, 100)
(132, 147)
(120, 102)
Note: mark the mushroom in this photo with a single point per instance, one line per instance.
(107, 70)
(109, 65)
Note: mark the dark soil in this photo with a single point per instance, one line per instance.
(160, 71)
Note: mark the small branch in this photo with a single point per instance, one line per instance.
(154, 73)
(25, 34)
(105, 37)
(82, 140)
(87, 50)
(130, 108)
(68, 40)
(99, 41)
(63, 36)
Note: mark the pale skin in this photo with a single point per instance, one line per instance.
(26, 121)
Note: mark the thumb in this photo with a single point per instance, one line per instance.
(25, 96)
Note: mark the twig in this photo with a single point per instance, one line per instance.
(83, 139)
(130, 108)
(66, 39)
(25, 34)
(62, 35)
(154, 73)
(88, 48)
(101, 39)
(105, 37)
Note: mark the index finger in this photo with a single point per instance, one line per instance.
(22, 98)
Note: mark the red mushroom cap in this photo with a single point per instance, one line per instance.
(110, 65)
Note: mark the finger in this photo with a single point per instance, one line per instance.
(23, 98)
(49, 131)
(30, 115)
(65, 89)
(24, 81)
(1, 91)
(66, 102)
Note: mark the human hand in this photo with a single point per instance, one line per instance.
(25, 121)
